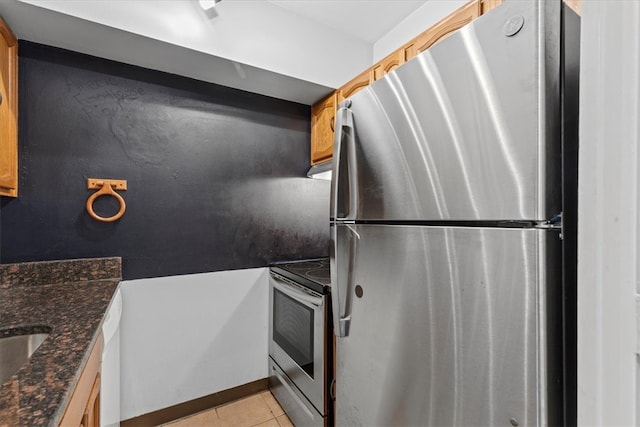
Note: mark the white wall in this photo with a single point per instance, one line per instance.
(609, 215)
(256, 33)
(252, 45)
(423, 18)
(184, 337)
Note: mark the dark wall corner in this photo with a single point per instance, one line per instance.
(215, 175)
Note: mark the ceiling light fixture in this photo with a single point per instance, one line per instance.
(209, 7)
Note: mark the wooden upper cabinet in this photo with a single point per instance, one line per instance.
(442, 29)
(361, 81)
(8, 111)
(388, 64)
(323, 116)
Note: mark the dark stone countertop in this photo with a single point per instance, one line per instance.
(70, 297)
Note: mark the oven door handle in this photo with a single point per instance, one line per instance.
(310, 301)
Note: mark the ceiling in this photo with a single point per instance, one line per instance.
(367, 20)
(297, 50)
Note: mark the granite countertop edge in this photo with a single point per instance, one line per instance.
(55, 420)
(72, 300)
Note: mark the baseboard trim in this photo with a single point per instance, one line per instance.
(172, 413)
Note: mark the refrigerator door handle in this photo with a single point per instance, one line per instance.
(343, 254)
(344, 177)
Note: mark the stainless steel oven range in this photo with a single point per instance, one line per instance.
(301, 340)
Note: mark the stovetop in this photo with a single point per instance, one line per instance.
(314, 273)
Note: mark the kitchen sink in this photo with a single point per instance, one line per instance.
(16, 349)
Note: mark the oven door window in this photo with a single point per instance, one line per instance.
(293, 329)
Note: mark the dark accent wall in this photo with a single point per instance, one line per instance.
(216, 176)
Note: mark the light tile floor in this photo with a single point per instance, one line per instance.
(260, 409)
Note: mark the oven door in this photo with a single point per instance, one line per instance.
(296, 336)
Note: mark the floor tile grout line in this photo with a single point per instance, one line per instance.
(215, 409)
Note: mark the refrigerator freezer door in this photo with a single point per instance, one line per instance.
(344, 182)
(469, 129)
(446, 328)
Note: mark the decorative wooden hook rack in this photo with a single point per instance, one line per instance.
(106, 187)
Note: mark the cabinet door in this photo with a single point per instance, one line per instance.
(442, 29)
(388, 64)
(361, 81)
(83, 408)
(91, 416)
(8, 112)
(323, 115)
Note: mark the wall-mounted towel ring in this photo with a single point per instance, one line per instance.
(106, 187)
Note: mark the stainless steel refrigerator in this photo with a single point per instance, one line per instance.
(447, 235)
